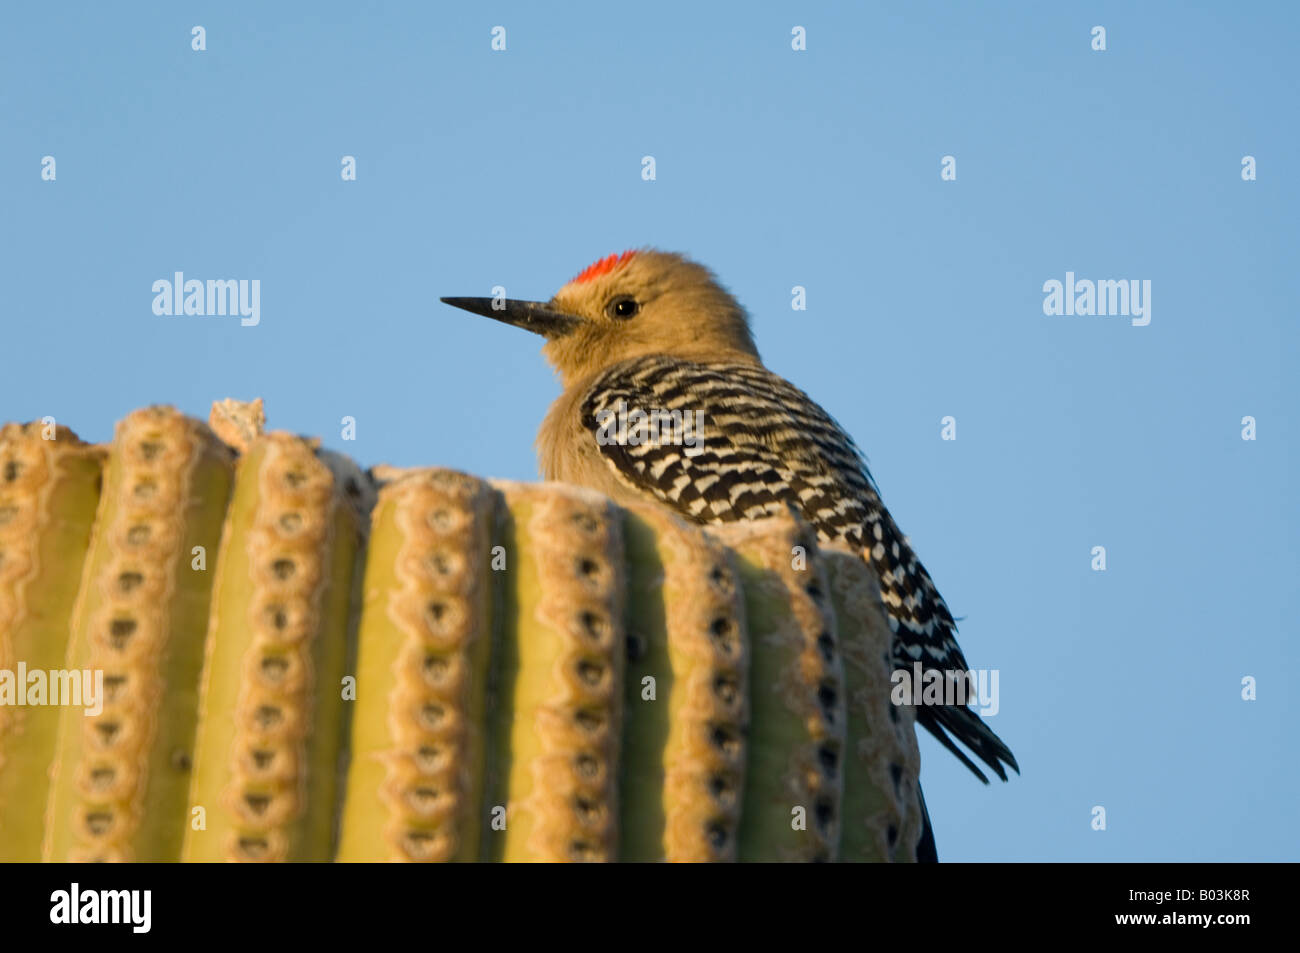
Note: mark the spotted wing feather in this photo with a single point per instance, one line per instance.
(764, 447)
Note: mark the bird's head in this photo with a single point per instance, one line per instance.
(626, 306)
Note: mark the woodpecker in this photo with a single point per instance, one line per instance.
(654, 331)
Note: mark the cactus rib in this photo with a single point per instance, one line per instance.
(882, 813)
(275, 653)
(568, 595)
(684, 750)
(49, 489)
(416, 777)
(794, 783)
(119, 777)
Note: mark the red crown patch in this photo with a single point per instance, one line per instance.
(604, 266)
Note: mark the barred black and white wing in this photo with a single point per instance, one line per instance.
(764, 447)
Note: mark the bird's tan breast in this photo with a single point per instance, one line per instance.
(567, 450)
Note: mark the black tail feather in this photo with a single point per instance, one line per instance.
(926, 851)
(966, 726)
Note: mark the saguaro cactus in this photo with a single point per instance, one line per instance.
(686, 695)
(881, 811)
(797, 737)
(418, 731)
(559, 690)
(119, 778)
(271, 711)
(49, 488)
(305, 662)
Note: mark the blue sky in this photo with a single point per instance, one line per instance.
(776, 168)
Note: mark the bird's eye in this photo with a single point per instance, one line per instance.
(622, 307)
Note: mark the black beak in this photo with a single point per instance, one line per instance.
(535, 316)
